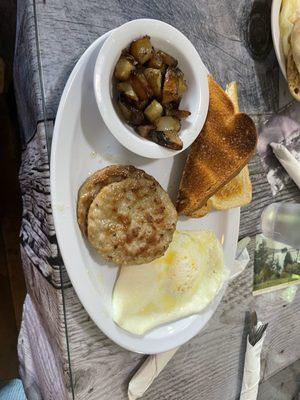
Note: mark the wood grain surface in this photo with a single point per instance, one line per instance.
(88, 365)
(282, 386)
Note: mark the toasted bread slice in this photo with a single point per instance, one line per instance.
(202, 211)
(293, 76)
(237, 192)
(222, 149)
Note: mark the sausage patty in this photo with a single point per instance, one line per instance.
(92, 185)
(131, 221)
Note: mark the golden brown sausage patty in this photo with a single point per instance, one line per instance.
(92, 186)
(131, 221)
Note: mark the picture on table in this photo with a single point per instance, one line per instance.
(275, 265)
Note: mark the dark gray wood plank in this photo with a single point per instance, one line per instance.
(218, 30)
(282, 386)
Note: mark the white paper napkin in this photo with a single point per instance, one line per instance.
(251, 375)
(288, 161)
(148, 372)
(154, 364)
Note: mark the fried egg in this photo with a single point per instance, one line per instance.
(180, 283)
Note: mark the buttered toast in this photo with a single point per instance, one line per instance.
(237, 192)
(222, 149)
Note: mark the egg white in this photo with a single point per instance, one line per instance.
(182, 282)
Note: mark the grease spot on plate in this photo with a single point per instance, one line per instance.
(60, 207)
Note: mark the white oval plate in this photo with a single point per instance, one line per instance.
(82, 144)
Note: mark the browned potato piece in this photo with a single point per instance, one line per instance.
(167, 139)
(166, 124)
(125, 110)
(168, 107)
(182, 86)
(126, 89)
(141, 86)
(123, 69)
(154, 78)
(143, 130)
(150, 87)
(167, 59)
(170, 87)
(141, 104)
(155, 60)
(132, 115)
(125, 53)
(141, 49)
(163, 70)
(153, 111)
(179, 114)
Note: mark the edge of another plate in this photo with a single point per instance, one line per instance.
(275, 29)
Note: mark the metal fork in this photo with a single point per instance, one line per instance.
(258, 334)
(253, 323)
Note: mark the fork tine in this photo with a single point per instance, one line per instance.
(263, 329)
(259, 333)
(255, 336)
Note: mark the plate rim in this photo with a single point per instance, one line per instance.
(275, 32)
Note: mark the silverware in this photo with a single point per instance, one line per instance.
(258, 334)
(253, 324)
(255, 333)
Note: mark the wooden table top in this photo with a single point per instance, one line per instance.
(228, 36)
